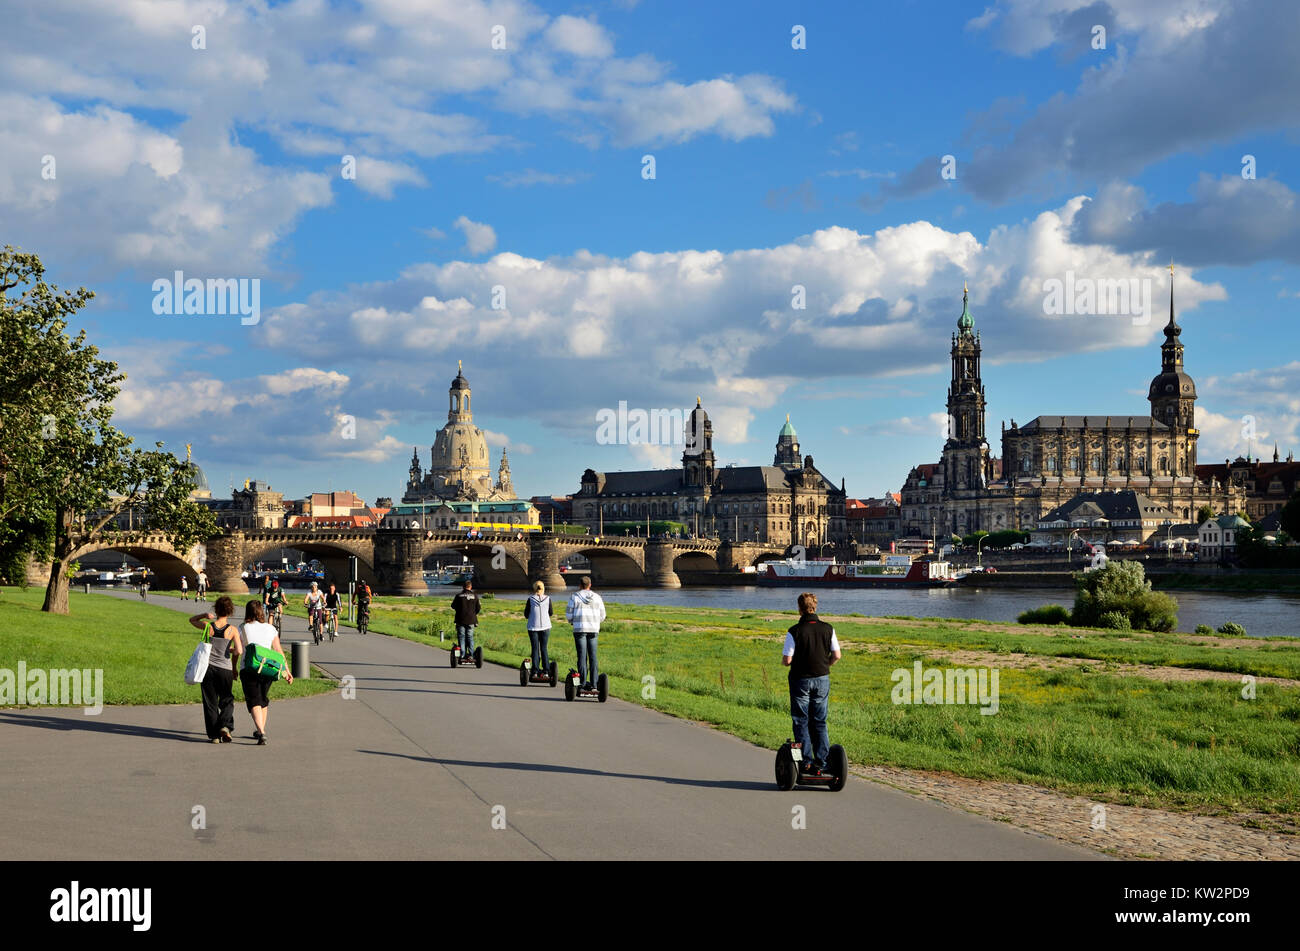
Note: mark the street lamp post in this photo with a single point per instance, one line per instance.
(979, 555)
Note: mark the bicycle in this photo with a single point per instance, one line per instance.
(316, 625)
(276, 618)
(363, 618)
(332, 622)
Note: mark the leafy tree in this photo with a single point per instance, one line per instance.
(1290, 517)
(1204, 514)
(1006, 538)
(1122, 587)
(63, 465)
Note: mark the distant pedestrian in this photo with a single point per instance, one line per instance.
(185, 588)
(202, 593)
(538, 611)
(585, 612)
(218, 683)
(466, 606)
(257, 686)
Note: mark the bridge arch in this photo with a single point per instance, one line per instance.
(166, 566)
(611, 565)
(333, 556)
(496, 564)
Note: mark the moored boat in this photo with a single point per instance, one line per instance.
(890, 571)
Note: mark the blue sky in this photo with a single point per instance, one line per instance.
(522, 168)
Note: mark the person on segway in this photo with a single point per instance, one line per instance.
(585, 612)
(538, 611)
(466, 606)
(811, 647)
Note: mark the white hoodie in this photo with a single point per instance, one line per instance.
(585, 612)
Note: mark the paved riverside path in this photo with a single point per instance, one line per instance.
(415, 766)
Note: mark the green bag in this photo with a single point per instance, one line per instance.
(264, 661)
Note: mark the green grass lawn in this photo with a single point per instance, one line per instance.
(1090, 731)
(142, 648)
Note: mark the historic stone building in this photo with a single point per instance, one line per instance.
(459, 464)
(788, 502)
(1049, 460)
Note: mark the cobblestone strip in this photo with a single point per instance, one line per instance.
(1131, 832)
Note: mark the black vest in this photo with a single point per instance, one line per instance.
(812, 648)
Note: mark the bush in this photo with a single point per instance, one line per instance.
(1122, 587)
(1232, 629)
(1115, 621)
(1047, 614)
(1204, 630)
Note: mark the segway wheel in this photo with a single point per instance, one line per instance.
(838, 763)
(478, 657)
(554, 678)
(787, 772)
(602, 688)
(568, 688)
(453, 658)
(523, 674)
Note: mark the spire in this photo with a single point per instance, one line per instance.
(1173, 324)
(965, 322)
(697, 401)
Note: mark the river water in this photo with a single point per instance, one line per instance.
(1261, 615)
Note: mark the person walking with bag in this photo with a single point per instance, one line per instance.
(262, 653)
(537, 614)
(218, 683)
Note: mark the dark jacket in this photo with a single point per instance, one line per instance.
(466, 605)
(812, 648)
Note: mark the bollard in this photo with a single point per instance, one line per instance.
(87, 587)
(301, 662)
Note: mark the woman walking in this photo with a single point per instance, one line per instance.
(219, 682)
(537, 612)
(256, 686)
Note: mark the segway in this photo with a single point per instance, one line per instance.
(460, 659)
(529, 676)
(792, 768)
(574, 690)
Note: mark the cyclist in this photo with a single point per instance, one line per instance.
(144, 583)
(275, 602)
(363, 606)
(314, 602)
(267, 586)
(332, 605)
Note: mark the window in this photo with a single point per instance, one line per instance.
(1024, 464)
(1096, 461)
(1074, 463)
(1051, 465)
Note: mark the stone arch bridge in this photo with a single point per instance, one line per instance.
(392, 560)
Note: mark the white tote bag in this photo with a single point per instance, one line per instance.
(197, 668)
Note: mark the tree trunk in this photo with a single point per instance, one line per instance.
(56, 592)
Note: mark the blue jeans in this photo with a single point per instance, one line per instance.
(465, 638)
(539, 639)
(808, 701)
(586, 644)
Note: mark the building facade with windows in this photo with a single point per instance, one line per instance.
(1049, 460)
(787, 503)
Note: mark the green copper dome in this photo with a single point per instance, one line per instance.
(965, 321)
(787, 429)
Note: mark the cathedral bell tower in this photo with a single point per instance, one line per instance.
(966, 453)
(1173, 398)
(697, 458)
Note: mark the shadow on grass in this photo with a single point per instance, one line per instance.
(580, 771)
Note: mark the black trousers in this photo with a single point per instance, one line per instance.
(218, 701)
